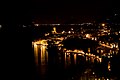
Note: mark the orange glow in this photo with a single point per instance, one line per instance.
(43, 55)
(88, 35)
(36, 53)
(100, 59)
(88, 49)
(75, 58)
(103, 24)
(43, 52)
(109, 66)
(65, 59)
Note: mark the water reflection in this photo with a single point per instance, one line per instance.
(109, 66)
(75, 58)
(36, 53)
(44, 55)
(89, 64)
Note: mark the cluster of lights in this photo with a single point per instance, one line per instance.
(80, 52)
(36, 24)
(42, 42)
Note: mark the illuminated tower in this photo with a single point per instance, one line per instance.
(54, 30)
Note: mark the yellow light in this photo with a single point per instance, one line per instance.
(79, 54)
(98, 78)
(103, 24)
(101, 51)
(108, 56)
(88, 35)
(97, 51)
(92, 38)
(88, 49)
(35, 45)
(75, 58)
(100, 59)
(86, 53)
(89, 54)
(97, 56)
(46, 34)
(64, 49)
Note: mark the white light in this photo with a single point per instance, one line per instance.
(88, 35)
(95, 38)
(24, 26)
(69, 32)
(63, 32)
(0, 26)
(92, 38)
(71, 28)
(115, 14)
(36, 24)
(103, 24)
(113, 45)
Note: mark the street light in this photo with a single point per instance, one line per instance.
(103, 24)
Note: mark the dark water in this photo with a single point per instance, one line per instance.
(53, 64)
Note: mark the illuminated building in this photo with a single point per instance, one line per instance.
(103, 30)
(54, 30)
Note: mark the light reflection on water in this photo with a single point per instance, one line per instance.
(41, 53)
(36, 54)
(44, 55)
(41, 59)
(75, 56)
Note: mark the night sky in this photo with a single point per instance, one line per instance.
(21, 11)
(81, 7)
(55, 10)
